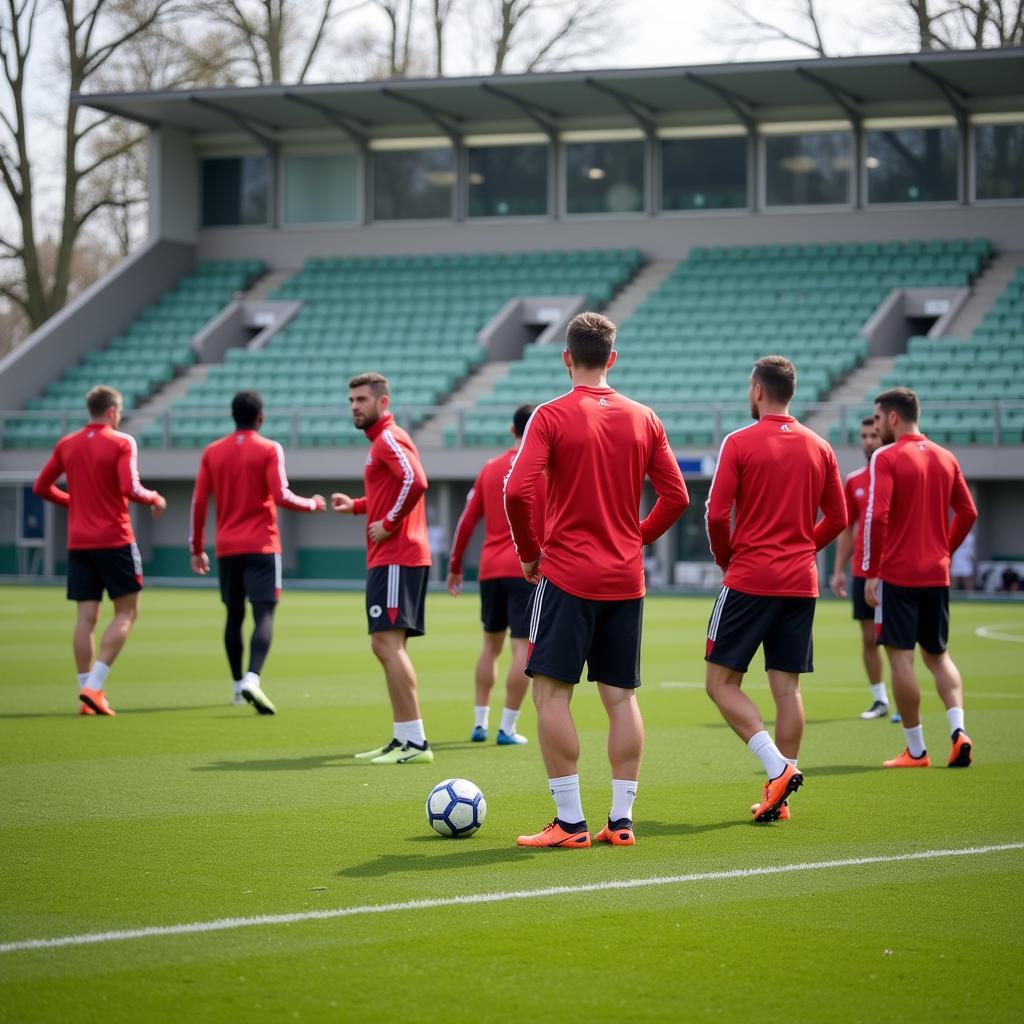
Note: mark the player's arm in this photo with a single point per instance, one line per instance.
(521, 492)
(673, 499)
(965, 512)
(405, 465)
(346, 505)
(128, 478)
(718, 508)
(471, 514)
(833, 506)
(844, 544)
(46, 483)
(197, 520)
(277, 485)
(876, 521)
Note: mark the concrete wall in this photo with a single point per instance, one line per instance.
(666, 236)
(173, 185)
(90, 320)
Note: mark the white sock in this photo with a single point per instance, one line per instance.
(411, 732)
(250, 679)
(83, 680)
(481, 716)
(771, 757)
(878, 692)
(509, 721)
(623, 795)
(791, 760)
(915, 740)
(955, 717)
(566, 791)
(98, 676)
(238, 687)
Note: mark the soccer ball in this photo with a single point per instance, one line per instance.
(456, 808)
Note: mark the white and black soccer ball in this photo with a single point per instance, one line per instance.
(456, 808)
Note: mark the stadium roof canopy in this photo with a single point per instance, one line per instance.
(919, 84)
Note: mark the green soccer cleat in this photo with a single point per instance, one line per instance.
(369, 755)
(407, 753)
(252, 693)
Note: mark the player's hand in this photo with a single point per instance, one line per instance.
(378, 531)
(838, 584)
(201, 564)
(531, 571)
(342, 503)
(156, 510)
(871, 591)
(455, 583)
(318, 500)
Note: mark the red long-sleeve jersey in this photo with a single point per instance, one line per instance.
(101, 465)
(908, 538)
(778, 474)
(856, 491)
(395, 484)
(597, 446)
(486, 500)
(245, 474)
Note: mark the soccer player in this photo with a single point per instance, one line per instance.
(245, 474)
(397, 560)
(773, 475)
(852, 540)
(908, 541)
(101, 465)
(596, 447)
(504, 594)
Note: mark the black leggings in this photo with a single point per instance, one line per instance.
(259, 643)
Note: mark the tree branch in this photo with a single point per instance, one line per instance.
(111, 155)
(317, 40)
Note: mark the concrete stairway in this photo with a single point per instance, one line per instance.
(431, 434)
(987, 288)
(645, 282)
(165, 397)
(268, 283)
(865, 380)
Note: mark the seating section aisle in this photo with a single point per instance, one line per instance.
(983, 368)
(413, 318)
(150, 352)
(693, 340)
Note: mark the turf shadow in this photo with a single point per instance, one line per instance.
(128, 712)
(647, 828)
(453, 855)
(283, 764)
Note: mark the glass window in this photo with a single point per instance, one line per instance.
(321, 189)
(999, 161)
(911, 165)
(508, 181)
(413, 184)
(807, 170)
(236, 190)
(605, 177)
(704, 174)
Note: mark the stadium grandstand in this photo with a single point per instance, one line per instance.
(863, 216)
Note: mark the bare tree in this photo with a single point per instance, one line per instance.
(441, 15)
(802, 26)
(400, 15)
(91, 35)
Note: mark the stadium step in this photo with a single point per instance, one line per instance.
(987, 288)
(262, 288)
(867, 377)
(431, 434)
(647, 281)
(166, 397)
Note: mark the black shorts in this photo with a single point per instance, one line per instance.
(505, 604)
(118, 571)
(740, 623)
(862, 611)
(906, 616)
(256, 577)
(396, 597)
(568, 631)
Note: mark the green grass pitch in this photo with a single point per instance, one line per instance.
(185, 809)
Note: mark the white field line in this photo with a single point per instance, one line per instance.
(829, 688)
(993, 632)
(233, 923)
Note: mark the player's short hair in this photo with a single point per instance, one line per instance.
(901, 401)
(868, 421)
(101, 398)
(246, 407)
(520, 418)
(590, 340)
(777, 375)
(376, 382)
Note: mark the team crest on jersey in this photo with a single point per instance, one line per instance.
(785, 427)
(369, 459)
(603, 401)
(375, 611)
(859, 492)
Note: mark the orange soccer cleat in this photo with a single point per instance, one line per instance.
(84, 709)
(905, 760)
(97, 700)
(775, 792)
(783, 807)
(559, 833)
(960, 755)
(618, 832)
